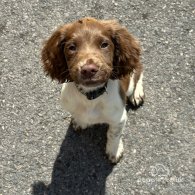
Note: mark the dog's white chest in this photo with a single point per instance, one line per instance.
(91, 114)
(107, 108)
(88, 111)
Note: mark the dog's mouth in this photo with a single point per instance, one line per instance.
(93, 81)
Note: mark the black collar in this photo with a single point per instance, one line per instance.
(91, 95)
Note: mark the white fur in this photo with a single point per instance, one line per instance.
(136, 94)
(107, 108)
(131, 86)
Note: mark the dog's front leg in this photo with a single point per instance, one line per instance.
(114, 146)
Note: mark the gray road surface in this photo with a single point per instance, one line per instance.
(39, 152)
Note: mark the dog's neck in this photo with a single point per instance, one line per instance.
(92, 92)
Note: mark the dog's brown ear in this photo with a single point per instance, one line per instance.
(127, 50)
(53, 58)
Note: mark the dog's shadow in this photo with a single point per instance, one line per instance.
(81, 166)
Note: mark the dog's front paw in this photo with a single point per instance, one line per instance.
(75, 125)
(137, 98)
(114, 152)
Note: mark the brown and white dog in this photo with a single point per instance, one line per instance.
(98, 62)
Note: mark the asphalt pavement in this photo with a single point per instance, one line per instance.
(40, 153)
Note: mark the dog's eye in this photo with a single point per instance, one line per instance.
(104, 45)
(72, 47)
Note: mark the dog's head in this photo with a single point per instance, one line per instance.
(90, 51)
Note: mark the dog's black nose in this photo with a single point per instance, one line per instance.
(89, 70)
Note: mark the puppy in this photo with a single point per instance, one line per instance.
(98, 62)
